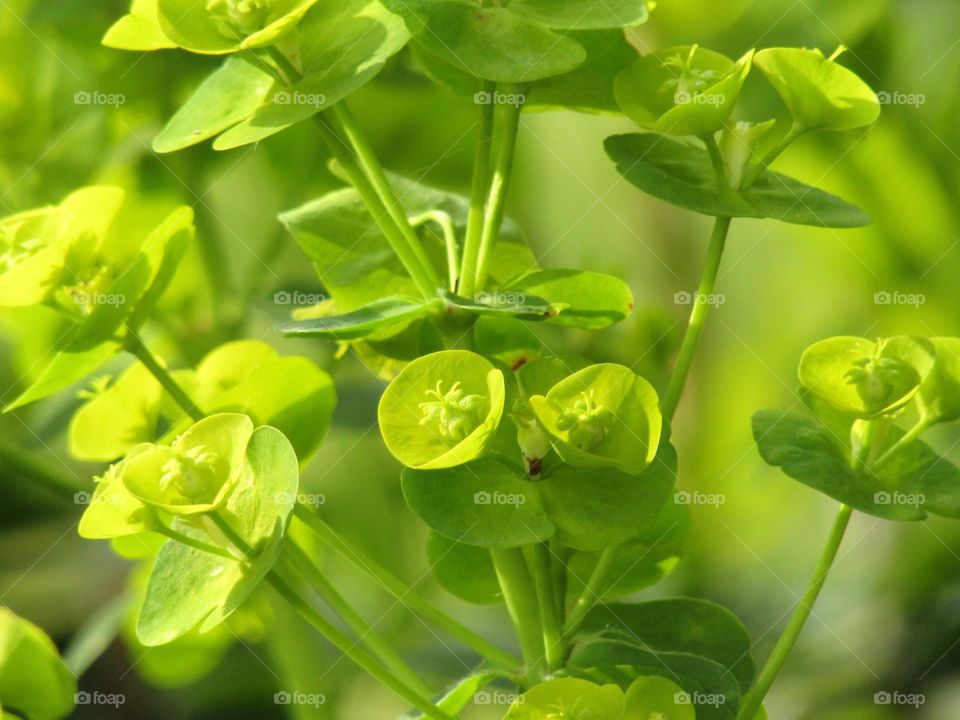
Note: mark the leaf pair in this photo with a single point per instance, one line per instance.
(522, 42)
(247, 376)
(82, 259)
(221, 465)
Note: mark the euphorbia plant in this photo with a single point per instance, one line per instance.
(546, 479)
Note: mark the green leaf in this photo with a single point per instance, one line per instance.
(118, 418)
(657, 697)
(465, 571)
(511, 341)
(641, 561)
(939, 394)
(139, 30)
(539, 376)
(342, 47)
(166, 247)
(918, 475)
(65, 369)
(584, 14)
(865, 379)
(34, 681)
(602, 416)
(807, 452)
(589, 87)
(622, 662)
(228, 26)
(568, 698)
(686, 625)
(485, 503)
(442, 409)
(364, 321)
(503, 304)
(682, 175)
(229, 95)
(600, 507)
(493, 43)
(590, 300)
(685, 90)
(189, 587)
(820, 93)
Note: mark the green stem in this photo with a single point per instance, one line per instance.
(449, 239)
(426, 284)
(134, 345)
(520, 596)
(539, 561)
(716, 159)
(754, 172)
(788, 639)
(363, 659)
(562, 553)
(698, 316)
(339, 604)
(912, 434)
(499, 184)
(593, 590)
(378, 178)
(479, 187)
(409, 597)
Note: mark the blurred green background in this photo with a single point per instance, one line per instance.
(889, 619)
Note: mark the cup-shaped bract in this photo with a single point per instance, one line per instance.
(197, 472)
(58, 252)
(113, 511)
(686, 90)
(865, 379)
(820, 93)
(218, 27)
(442, 409)
(604, 415)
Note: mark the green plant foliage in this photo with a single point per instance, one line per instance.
(820, 93)
(682, 90)
(34, 682)
(568, 698)
(682, 175)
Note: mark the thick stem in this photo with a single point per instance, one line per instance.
(520, 597)
(593, 590)
(339, 604)
(414, 601)
(499, 185)
(698, 316)
(479, 188)
(134, 345)
(425, 282)
(539, 560)
(363, 659)
(378, 178)
(788, 639)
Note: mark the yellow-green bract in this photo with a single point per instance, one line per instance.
(442, 409)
